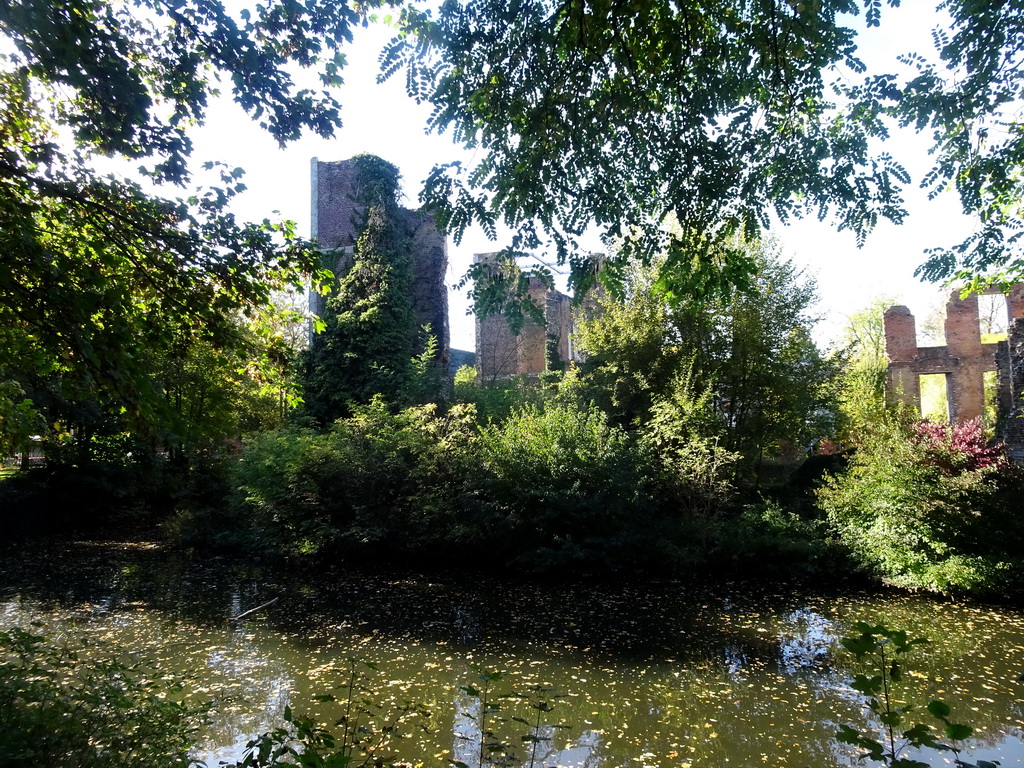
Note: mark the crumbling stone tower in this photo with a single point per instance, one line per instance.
(335, 222)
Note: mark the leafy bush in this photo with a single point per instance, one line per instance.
(56, 709)
(377, 478)
(563, 487)
(768, 538)
(495, 400)
(103, 492)
(928, 506)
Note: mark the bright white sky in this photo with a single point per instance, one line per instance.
(382, 120)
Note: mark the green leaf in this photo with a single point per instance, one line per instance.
(938, 709)
(892, 719)
(958, 732)
(869, 686)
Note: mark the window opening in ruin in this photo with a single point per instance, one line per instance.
(992, 318)
(931, 332)
(991, 389)
(934, 396)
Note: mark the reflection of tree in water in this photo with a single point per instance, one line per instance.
(248, 691)
(689, 674)
(806, 639)
(246, 684)
(556, 746)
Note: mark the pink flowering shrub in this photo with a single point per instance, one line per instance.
(959, 447)
(931, 506)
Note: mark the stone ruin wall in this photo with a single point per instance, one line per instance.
(500, 353)
(335, 220)
(963, 359)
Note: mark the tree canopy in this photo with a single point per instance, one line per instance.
(746, 367)
(98, 273)
(714, 113)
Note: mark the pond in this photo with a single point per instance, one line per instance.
(668, 674)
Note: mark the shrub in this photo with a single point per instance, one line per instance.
(562, 487)
(378, 478)
(927, 506)
(767, 538)
(496, 400)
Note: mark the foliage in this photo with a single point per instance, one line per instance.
(861, 390)
(768, 538)
(716, 114)
(19, 420)
(495, 401)
(713, 113)
(95, 268)
(56, 709)
(563, 487)
(545, 488)
(367, 347)
(959, 447)
(629, 353)
(966, 97)
(427, 380)
(123, 487)
(497, 285)
(375, 480)
(883, 645)
(920, 508)
(684, 433)
(752, 354)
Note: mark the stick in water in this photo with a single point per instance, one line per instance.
(250, 612)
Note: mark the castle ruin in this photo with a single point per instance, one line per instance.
(963, 360)
(501, 353)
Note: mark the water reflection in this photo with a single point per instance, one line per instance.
(659, 676)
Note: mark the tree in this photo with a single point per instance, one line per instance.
(716, 113)
(769, 380)
(744, 368)
(968, 97)
(98, 273)
(865, 366)
(629, 354)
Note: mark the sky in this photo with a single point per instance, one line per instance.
(382, 120)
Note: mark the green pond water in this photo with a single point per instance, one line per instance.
(667, 674)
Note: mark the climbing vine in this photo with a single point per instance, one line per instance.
(369, 337)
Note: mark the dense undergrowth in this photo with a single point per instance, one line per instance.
(551, 490)
(560, 491)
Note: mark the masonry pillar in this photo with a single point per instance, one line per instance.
(963, 340)
(1014, 303)
(902, 385)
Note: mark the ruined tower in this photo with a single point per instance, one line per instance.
(537, 347)
(336, 218)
